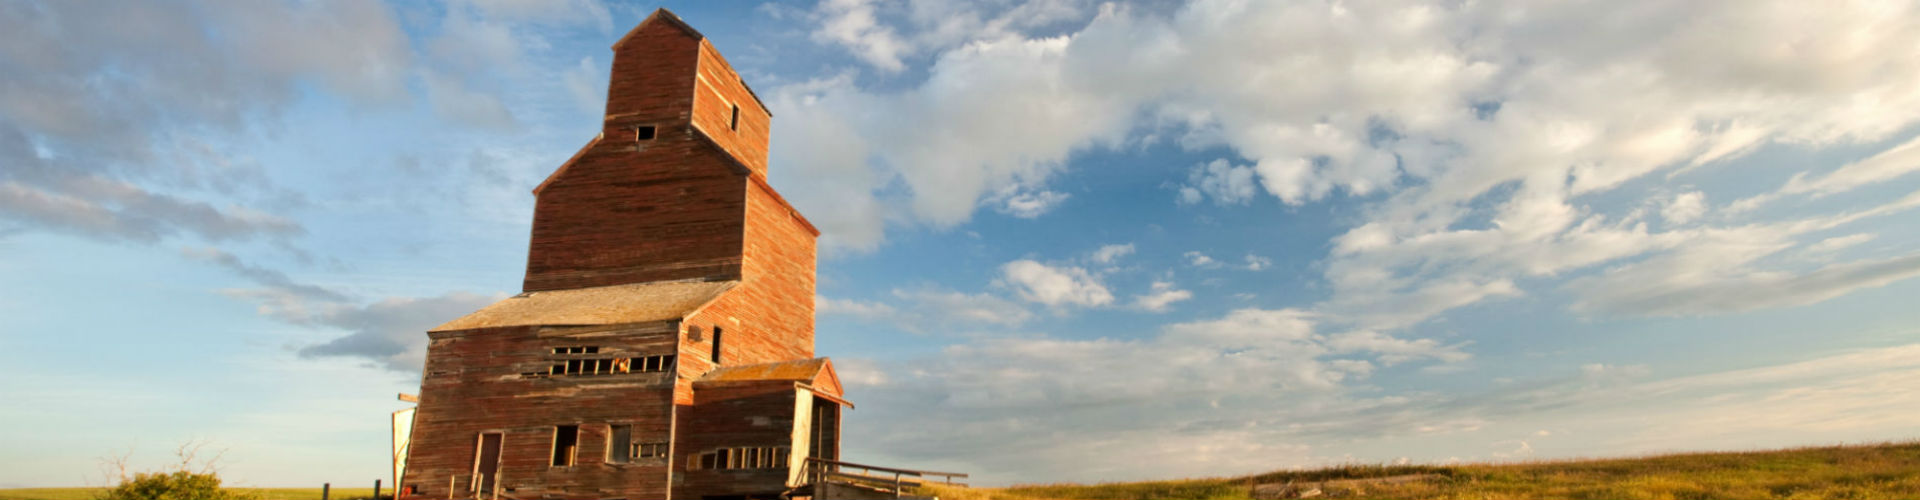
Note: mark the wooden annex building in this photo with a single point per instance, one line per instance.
(663, 344)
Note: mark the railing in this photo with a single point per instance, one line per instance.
(820, 470)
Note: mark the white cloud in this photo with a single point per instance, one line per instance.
(1197, 259)
(1260, 376)
(586, 85)
(467, 45)
(929, 310)
(1164, 294)
(1055, 286)
(1433, 114)
(1225, 183)
(1250, 375)
(1027, 204)
(1685, 208)
(847, 307)
(560, 11)
(1257, 263)
(1894, 162)
(854, 25)
(1643, 290)
(1838, 243)
(454, 101)
(1109, 253)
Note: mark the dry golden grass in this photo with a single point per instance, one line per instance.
(1883, 471)
(265, 493)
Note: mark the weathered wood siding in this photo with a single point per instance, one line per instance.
(739, 414)
(717, 90)
(474, 384)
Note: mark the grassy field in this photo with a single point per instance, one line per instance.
(265, 493)
(1884, 471)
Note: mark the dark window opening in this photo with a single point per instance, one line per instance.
(716, 345)
(743, 458)
(566, 438)
(650, 450)
(643, 133)
(620, 444)
(577, 350)
(605, 366)
(734, 122)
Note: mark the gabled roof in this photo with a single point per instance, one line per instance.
(817, 373)
(663, 15)
(605, 305)
(671, 19)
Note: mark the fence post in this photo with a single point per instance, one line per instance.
(376, 489)
(325, 488)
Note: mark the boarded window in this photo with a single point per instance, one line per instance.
(566, 438)
(619, 444)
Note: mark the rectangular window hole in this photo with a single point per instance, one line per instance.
(566, 438)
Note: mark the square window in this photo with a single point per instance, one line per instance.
(643, 133)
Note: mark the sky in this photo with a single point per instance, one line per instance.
(1062, 240)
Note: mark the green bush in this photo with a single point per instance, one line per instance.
(176, 485)
(189, 479)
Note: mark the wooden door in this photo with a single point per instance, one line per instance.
(486, 462)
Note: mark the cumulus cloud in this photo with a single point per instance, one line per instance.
(1055, 286)
(1225, 183)
(1028, 204)
(1107, 254)
(1257, 263)
(1163, 294)
(1197, 259)
(1685, 208)
(1436, 115)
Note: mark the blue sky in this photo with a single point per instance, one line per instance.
(1064, 240)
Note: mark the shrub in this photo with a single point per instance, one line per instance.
(175, 485)
(188, 479)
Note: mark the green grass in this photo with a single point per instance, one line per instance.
(1842, 472)
(265, 493)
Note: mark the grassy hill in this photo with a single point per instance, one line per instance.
(1883, 471)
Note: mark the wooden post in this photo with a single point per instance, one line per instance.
(325, 488)
(376, 489)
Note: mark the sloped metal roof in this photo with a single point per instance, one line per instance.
(605, 305)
